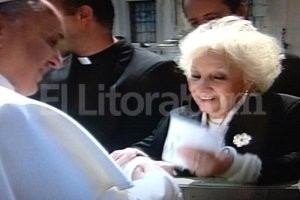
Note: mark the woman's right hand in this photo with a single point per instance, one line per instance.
(206, 164)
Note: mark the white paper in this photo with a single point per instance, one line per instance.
(187, 133)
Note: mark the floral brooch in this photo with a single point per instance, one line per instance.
(241, 139)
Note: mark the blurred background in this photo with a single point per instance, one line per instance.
(158, 24)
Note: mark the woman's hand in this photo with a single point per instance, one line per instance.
(123, 156)
(206, 164)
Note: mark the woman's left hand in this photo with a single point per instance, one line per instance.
(204, 163)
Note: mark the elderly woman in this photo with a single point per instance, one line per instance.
(235, 128)
(44, 154)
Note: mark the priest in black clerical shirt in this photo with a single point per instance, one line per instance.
(117, 91)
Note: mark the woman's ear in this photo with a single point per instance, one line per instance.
(249, 86)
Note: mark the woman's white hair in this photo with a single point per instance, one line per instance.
(258, 55)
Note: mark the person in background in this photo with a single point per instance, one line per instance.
(237, 129)
(198, 12)
(113, 88)
(43, 152)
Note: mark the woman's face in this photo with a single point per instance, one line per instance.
(215, 85)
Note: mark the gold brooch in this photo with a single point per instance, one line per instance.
(241, 139)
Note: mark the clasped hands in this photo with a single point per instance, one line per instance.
(199, 162)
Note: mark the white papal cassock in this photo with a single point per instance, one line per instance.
(45, 154)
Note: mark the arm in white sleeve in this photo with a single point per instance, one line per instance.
(244, 169)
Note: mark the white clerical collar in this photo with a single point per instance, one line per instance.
(5, 83)
(84, 60)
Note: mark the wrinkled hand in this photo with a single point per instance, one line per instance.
(206, 164)
(123, 156)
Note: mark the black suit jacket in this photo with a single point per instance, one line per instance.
(273, 122)
(137, 88)
(288, 81)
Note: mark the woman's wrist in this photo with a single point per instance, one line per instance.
(226, 158)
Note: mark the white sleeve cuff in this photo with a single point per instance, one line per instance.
(155, 185)
(244, 169)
